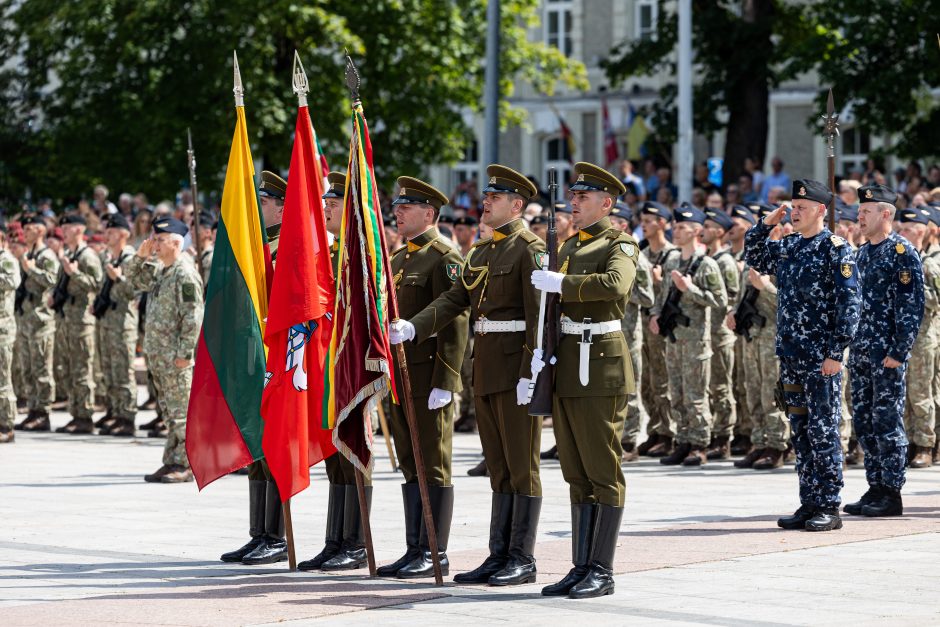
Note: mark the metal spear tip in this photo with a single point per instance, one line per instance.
(830, 104)
(301, 87)
(352, 79)
(239, 89)
(189, 137)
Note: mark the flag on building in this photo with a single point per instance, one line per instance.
(300, 323)
(223, 427)
(611, 150)
(360, 368)
(636, 136)
(567, 137)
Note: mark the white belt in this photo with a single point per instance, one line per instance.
(498, 326)
(587, 331)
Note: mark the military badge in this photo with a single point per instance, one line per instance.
(802, 191)
(7, 265)
(580, 178)
(402, 192)
(687, 214)
(836, 241)
(868, 193)
(899, 249)
(904, 276)
(189, 293)
(541, 261)
(628, 249)
(846, 270)
(452, 271)
(492, 180)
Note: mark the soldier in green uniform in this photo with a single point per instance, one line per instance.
(495, 285)
(424, 268)
(9, 282)
(345, 543)
(593, 377)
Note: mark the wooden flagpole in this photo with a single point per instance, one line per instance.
(383, 424)
(364, 517)
(289, 532)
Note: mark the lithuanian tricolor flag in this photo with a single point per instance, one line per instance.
(224, 427)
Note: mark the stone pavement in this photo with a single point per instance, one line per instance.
(86, 542)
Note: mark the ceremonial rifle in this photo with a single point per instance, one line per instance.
(191, 163)
(547, 329)
(831, 131)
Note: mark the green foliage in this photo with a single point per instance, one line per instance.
(105, 89)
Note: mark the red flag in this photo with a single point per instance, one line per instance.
(611, 151)
(299, 325)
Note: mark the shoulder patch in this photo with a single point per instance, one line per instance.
(846, 270)
(480, 242)
(189, 292)
(836, 240)
(904, 276)
(440, 247)
(541, 260)
(628, 249)
(452, 271)
(713, 279)
(7, 265)
(47, 263)
(899, 249)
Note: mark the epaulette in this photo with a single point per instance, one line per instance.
(837, 241)
(398, 250)
(440, 247)
(529, 236)
(480, 242)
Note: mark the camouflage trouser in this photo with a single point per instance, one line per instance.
(631, 427)
(846, 432)
(117, 344)
(720, 390)
(813, 409)
(654, 384)
(19, 366)
(690, 362)
(7, 398)
(743, 423)
(37, 374)
(60, 359)
(80, 353)
(770, 426)
(173, 386)
(920, 411)
(877, 412)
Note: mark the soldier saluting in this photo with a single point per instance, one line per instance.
(593, 377)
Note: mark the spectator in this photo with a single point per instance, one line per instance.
(664, 175)
(776, 195)
(142, 223)
(630, 179)
(698, 198)
(848, 191)
(102, 205)
(700, 179)
(126, 205)
(141, 203)
(650, 180)
(755, 168)
(778, 178)
(715, 201)
(732, 195)
(746, 188)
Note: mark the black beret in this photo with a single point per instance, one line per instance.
(444, 219)
(206, 219)
(877, 193)
(740, 211)
(918, 215)
(539, 219)
(849, 213)
(117, 221)
(170, 225)
(73, 218)
(563, 207)
(33, 218)
(808, 189)
(719, 217)
(466, 221)
(935, 215)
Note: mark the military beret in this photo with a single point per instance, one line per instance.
(621, 210)
(466, 221)
(918, 215)
(808, 189)
(445, 218)
(935, 214)
(55, 233)
(877, 193)
(652, 208)
(412, 190)
(73, 218)
(719, 217)
(740, 211)
(33, 218)
(593, 178)
(272, 185)
(688, 214)
(117, 221)
(97, 238)
(170, 225)
(507, 180)
(849, 213)
(759, 209)
(563, 207)
(206, 219)
(539, 219)
(337, 188)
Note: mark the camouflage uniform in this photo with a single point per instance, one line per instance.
(205, 264)
(892, 285)
(920, 411)
(174, 317)
(721, 382)
(37, 325)
(654, 380)
(117, 339)
(80, 330)
(9, 281)
(642, 296)
(742, 412)
(60, 359)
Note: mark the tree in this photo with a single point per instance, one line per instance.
(105, 89)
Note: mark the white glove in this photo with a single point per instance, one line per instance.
(439, 398)
(547, 281)
(524, 391)
(537, 363)
(400, 331)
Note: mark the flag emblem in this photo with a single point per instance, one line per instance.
(452, 271)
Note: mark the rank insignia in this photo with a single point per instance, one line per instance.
(836, 241)
(452, 271)
(868, 193)
(904, 276)
(846, 270)
(402, 192)
(580, 178)
(628, 249)
(189, 292)
(899, 249)
(541, 260)
(802, 191)
(492, 180)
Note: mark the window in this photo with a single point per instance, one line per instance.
(647, 11)
(558, 25)
(854, 152)
(557, 156)
(466, 170)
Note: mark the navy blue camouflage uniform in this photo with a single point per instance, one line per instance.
(817, 315)
(892, 287)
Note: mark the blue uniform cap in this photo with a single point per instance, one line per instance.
(720, 218)
(659, 210)
(740, 211)
(170, 225)
(918, 215)
(689, 214)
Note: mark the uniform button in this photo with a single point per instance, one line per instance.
(492, 245)
(484, 298)
(578, 244)
(407, 255)
(601, 355)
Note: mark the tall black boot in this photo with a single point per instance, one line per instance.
(334, 529)
(353, 553)
(525, 522)
(582, 532)
(500, 525)
(411, 498)
(255, 523)
(274, 548)
(600, 576)
(442, 511)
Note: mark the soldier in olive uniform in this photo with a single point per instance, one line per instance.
(345, 544)
(173, 321)
(268, 543)
(593, 377)
(495, 285)
(697, 279)
(36, 321)
(116, 310)
(424, 268)
(79, 279)
(9, 283)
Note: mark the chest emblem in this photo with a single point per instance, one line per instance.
(846, 270)
(904, 276)
(899, 249)
(452, 271)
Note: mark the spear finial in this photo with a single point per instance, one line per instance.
(301, 87)
(832, 123)
(352, 80)
(239, 89)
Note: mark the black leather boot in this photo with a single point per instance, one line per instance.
(500, 525)
(334, 529)
(353, 553)
(274, 548)
(411, 498)
(889, 504)
(825, 520)
(255, 523)
(798, 519)
(442, 511)
(525, 523)
(582, 532)
(677, 456)
(599, 580)
(872, 495)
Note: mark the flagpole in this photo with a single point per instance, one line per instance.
(383, 424)
(352, 81)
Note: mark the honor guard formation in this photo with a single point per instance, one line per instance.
(730, 325)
